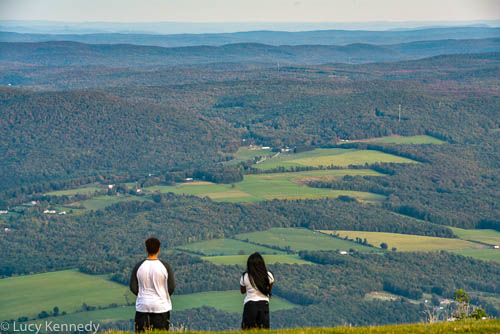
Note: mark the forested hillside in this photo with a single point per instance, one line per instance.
(63, 53)
(324, 37)
(219, 151)
(49, 136)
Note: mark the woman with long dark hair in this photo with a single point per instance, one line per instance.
(257, 283)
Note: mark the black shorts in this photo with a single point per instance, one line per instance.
(255, 315)
(148, 321)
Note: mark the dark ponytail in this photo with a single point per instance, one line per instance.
(258, 275)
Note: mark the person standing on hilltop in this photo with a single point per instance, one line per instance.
(152, 281)
(257, 283)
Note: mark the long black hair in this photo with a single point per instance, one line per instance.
(257, 274)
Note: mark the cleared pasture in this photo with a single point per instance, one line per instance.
(417, 140)
(221, 247)
(480, 254)
(331, 156)
(67, 289)
(275, 185)
(241, 260)
(302, 239)
(86, 190)
(408, 242)
(490, 237)
(229, 301)
(245, 154)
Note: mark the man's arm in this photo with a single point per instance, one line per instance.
(134, 283)
(170, 280)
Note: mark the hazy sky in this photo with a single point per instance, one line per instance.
(249, 10)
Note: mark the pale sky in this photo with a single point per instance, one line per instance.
(249, 10)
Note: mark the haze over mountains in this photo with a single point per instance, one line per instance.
(392, 133)
(321, 37)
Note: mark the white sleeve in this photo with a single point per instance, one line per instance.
(271, 277)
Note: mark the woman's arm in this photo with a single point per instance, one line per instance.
(243, 289)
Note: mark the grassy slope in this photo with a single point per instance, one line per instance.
(331, 156)
(87, 190)
(480, 254)
(229, 301)
(242, 259)
(407, 242)
(68, 289)
(479, 327)
(270, 186)
(219, 247)
(301, 239)
(490, 237)
(419, 140)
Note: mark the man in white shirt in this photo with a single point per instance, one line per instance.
(152, 281)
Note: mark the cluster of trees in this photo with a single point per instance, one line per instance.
(456, 185)
(76, 134)
(409, 274)
(58, 242)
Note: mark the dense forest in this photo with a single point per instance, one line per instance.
(131, 116)
(56, 242)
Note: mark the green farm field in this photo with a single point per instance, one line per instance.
(407, 242)
(68, 290)
(419, 140)
(245, 154)
(242, 259)
(302, 239)
(86, 190)
(480, 254)
(331, 156)
(273, 186)
(222, 247)
(229, 301)
(490, 237)
(100, 202)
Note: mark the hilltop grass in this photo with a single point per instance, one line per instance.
(302, 239)
(417, 140)
(469, 326)
(67, 289)
(273, 186)
(331, 156)
(224, 247)
(241, 260)
(490, 237)
(408, 242)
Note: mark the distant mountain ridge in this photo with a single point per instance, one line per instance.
(59, 53)
(322, 37)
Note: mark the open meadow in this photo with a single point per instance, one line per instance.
(298, 239)
(331, 156)
(261, 187)
(225, 246)
(489, 237)
(417, 140)
(229, 301)
(67, 289)
(408, 242)
(241, 260)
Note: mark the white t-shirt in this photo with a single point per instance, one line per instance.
(254, 294)
(153, 296)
